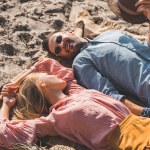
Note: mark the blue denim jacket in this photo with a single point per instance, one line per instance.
(115, 64)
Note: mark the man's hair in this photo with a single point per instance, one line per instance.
(31, 102)
(45, 44)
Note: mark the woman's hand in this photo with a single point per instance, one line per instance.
(9, 101)
(9, 90)
(7, 104)
(144, 7)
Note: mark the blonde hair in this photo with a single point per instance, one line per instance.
(31, 102)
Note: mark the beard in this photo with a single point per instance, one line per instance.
(77, 49)
(77, 45)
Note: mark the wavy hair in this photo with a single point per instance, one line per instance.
(31, 102)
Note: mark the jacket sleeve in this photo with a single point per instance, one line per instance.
(11, 134)
(88, 76)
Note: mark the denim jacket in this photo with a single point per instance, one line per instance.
(115, 64)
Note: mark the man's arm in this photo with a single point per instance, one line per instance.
(134, 108)
(88, 76)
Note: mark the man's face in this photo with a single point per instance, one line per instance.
(64, 44)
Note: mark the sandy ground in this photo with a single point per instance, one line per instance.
(24, 23)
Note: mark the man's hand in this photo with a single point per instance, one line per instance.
(145, 112)
(144, 7)
(79, 29)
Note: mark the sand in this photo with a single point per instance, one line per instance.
(25, 23)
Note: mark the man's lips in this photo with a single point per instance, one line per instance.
(68, 47)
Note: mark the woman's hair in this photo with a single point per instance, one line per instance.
(31, 102)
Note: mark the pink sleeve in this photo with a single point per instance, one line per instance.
(11, 134)
(73, 87)
(24, 132)
(54, 67)
(44, 126)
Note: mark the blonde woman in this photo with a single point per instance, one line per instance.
(81, 115)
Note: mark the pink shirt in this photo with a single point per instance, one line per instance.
(85, 116)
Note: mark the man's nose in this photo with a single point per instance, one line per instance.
(62, 44)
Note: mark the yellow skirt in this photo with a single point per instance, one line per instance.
(132, 134)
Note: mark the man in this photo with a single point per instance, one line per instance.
(112, 63)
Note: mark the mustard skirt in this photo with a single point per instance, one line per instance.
(132, 134)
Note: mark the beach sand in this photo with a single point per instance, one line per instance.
(25, 23)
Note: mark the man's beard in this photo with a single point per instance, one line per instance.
(77, 49)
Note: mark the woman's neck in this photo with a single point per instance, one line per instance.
(55, 97)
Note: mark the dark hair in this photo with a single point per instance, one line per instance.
(45, 45)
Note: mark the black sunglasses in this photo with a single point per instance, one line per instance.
(59, 39)
(58, 48)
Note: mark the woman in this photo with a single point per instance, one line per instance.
(84, 116)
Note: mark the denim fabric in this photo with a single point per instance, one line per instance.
(115, 64)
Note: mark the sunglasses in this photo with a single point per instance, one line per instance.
(58, 48)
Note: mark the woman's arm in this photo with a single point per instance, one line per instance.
(16, 81)
(48, 65)
(45, 65)
(52, 66)
(7, 104)
(21, 133)
(4, 112)
(13, 134)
